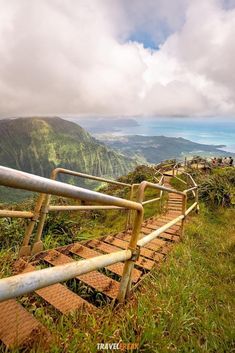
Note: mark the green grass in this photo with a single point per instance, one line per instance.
(177, 184)
(186, 306)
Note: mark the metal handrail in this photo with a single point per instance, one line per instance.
(44, 201)
(194, 188)
(21, 180)
(14, 286)
(25, 283)
(57, 171)
(17, 214)
(158, 172)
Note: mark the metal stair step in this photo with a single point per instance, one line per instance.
(60, 297)
(94, 279)
(124, 244)
(146, 264)
(159, 224)
(155, 245)
(172, 237)
(157, 242)
(18, 326)
(88, 253)
(175, 202)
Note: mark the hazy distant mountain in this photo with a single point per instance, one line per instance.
(37, 145)
(153, 149)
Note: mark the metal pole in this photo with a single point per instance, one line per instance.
(83, 208)
(126, 280)
(57, 171)
(38, 244)
(184, 206)
(20, 180)
(128, 221)
(21, 284)
(146, 239)
(190, 208)
(15, 214)
(125, 284)
(152, 200)
(25, 249)
(198, 208)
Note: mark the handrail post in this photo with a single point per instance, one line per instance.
(184, 208)
(187, 180)
(125, 284)
(196, 199)
(128, 221)
(38, 244)
(26, 248)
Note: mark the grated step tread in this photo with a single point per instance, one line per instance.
(88, 253)
(94, 279)
(152, 255)
(60, 297)
(146, 264)
(18, 326)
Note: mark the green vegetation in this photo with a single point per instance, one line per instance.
(38, 145)
(218, 187)
(187, 305)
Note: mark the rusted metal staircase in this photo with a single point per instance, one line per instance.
(153, 240)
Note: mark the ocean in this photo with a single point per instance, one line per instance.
(211, 131)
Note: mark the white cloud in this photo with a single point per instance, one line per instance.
(74, 57)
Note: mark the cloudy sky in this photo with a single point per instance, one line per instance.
(117, 57)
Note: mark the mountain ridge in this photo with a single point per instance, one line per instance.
(39, 144)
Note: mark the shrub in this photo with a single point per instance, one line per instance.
(217, 190)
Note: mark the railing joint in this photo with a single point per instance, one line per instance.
(135, 253)
(45, 209)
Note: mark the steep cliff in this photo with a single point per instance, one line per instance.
(37, 145)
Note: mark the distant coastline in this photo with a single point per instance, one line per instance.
(210, 131)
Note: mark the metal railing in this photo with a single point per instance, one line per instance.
(44, 205)
(24, 283)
